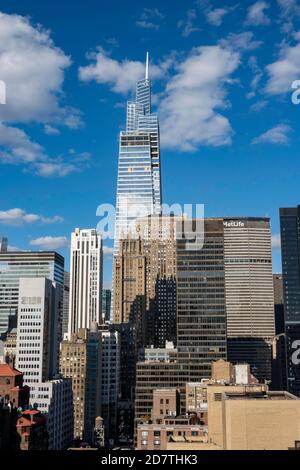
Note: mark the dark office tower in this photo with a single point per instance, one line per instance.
(66, 296)
(201, 311)
(278, 303)
(290, 246)
(127, 380)
(164, 324)
(278, 346)
(106, 301)
(249, 293)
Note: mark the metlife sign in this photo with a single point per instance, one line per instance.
(233, 223)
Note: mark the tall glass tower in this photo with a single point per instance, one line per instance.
(139, 185)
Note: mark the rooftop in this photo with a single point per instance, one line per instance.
(281, 395)
(7, 371)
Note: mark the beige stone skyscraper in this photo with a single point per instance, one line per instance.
(145, 281)
(158, 233)
(130, 285)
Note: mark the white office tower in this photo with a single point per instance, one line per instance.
(37, 357)
(85, 304)
(249, 293)
(139, 182)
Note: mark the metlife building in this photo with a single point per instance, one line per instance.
(249, 292)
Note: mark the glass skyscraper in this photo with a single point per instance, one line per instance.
(13, 266)
(139, 185)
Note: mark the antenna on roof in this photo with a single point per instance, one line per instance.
(147, 66)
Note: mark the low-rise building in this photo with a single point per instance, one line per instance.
(252, 418)
(25, 430)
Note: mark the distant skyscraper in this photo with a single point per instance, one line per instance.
(249, 292)
(290, 247)
(66, 299)
(139, 185)
(17, 264)
(3, 245)
(106, 301)
(85, 280)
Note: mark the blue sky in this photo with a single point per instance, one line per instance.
(222, 80)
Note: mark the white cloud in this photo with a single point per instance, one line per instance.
(277, 135)
(33, 69)
(16, 147)
(146, 24)
(284, 71)
(187, 24)
(108, 251)
(257, 76)
(215, 17)
(49, 169)
(13, 248)
(50, 243)
(241, 42)
(256, 14)
(191, 105)
(50, 130)
(18, 216)
(276, 241)
(194, 96)
(121, 76)
(258, 106)
(289, 11)
(150, 18)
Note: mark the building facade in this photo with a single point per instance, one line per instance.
(290, 251)
(86, 262)
(201, 308)
(66, 299)
(106, 304)
(80, 360)
(110, 382)
(13, 266)
(37, 356)
(129, 299)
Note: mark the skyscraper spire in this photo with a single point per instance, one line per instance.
(147, 66)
